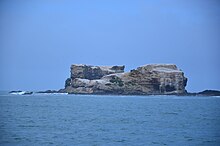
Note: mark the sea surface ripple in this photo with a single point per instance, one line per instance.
(108, 120)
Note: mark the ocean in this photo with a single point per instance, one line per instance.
(104, 120)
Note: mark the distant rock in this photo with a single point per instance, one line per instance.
(145, 80)
(28, 93)
(18, 91)
(21, 92)
(48, 91)
(209, 93)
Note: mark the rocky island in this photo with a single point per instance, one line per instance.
(151, 79)
(145, 80)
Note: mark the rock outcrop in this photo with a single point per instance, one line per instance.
(94, 72)
(209, 93)
(147, 79)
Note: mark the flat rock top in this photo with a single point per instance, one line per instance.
(170, 66)
(167, 70)
(159, 67)
(106, 68)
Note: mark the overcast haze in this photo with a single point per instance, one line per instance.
(40, 39)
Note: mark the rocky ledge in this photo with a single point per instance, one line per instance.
(145, 80)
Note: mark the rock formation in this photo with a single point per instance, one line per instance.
(145, 80)
(94, 72)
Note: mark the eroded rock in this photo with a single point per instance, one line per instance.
(93, 72)
(147, 79)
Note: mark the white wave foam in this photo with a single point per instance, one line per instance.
(18, 93)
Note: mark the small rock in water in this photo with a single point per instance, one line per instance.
(19, 92)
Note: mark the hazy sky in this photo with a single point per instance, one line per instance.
(40, 39)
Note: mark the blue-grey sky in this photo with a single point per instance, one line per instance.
(40, 39)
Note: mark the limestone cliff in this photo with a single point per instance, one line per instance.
(147, 79)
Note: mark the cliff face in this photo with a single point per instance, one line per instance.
(148, 79)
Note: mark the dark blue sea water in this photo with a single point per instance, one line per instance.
(109, 120)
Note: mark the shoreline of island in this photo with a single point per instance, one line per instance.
(51, 92)
(149, 79)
